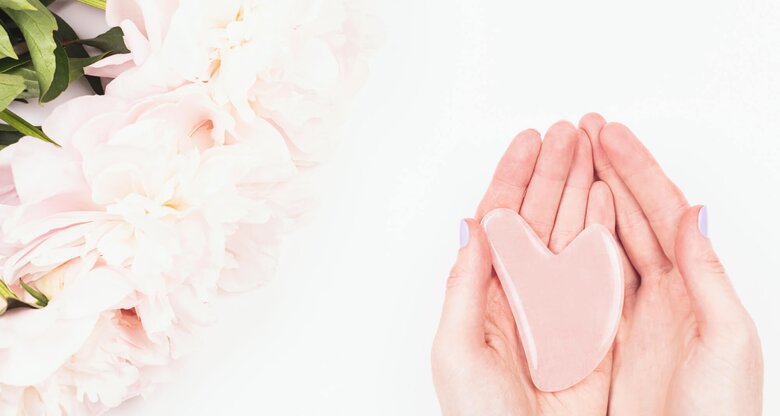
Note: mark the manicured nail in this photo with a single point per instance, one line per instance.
(464, 233)
(703, 222)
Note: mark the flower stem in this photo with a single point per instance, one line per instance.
(100, 4)
(22, 126)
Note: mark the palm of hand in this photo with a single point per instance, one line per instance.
(660, 341)
(686, 345)
(551, 185)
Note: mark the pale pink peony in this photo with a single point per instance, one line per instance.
(178, 183)
(295, 63)
(115, 362)
(155, 205)
(144, 24)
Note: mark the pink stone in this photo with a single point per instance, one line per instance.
(566, 306)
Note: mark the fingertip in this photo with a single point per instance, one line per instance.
(563, 125)
(693, 249)
(464, 234)
(563, 128)
(614, 127)
(581, 172)
(529, 134)
(464, 300)
(614, 136)
(525, 146)
(689, 235)
(513, 173)
(473, 240)
(716, 304)
(592, 122)
(561, 137)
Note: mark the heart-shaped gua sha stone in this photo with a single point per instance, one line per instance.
(567, 306)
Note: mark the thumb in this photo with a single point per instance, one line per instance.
(715, 303)
(463, 316)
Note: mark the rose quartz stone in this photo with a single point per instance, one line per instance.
(566, 306)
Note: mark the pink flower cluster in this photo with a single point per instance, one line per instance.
(174, 186)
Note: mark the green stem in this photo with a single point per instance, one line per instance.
(22, 126)
(100, 4)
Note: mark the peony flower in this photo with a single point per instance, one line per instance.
(115, 362)
(179, 183)
(156, 204)
(293, 63)
(144, 24)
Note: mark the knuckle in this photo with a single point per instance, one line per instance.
(713, 264)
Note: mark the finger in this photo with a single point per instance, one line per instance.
(633, 229)
(570, 220)
(661, 201)
(540, 205)
(718, 310)
(512, 175)
(463, 316)
(601, 208)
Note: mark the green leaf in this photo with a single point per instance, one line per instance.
(10, 88)
(6, 48)
(24, 127)
(31, 87)
(67, 36)
(41, 299)
(61, 78)
(8, 64)
(38, 27)
(113, 40)
(16, 5)
(77, 65)
(100, 4)
(8, 135)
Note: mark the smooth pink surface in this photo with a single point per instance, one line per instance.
(566, 306)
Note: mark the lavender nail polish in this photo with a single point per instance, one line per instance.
(464, 233)
(703, 222)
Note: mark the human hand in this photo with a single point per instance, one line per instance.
(479, 365)
(686, 345)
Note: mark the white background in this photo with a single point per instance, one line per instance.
(346, 327)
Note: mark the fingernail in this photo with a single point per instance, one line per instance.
(464, 233)
(703, 222)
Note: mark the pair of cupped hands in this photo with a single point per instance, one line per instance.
(685, 344)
